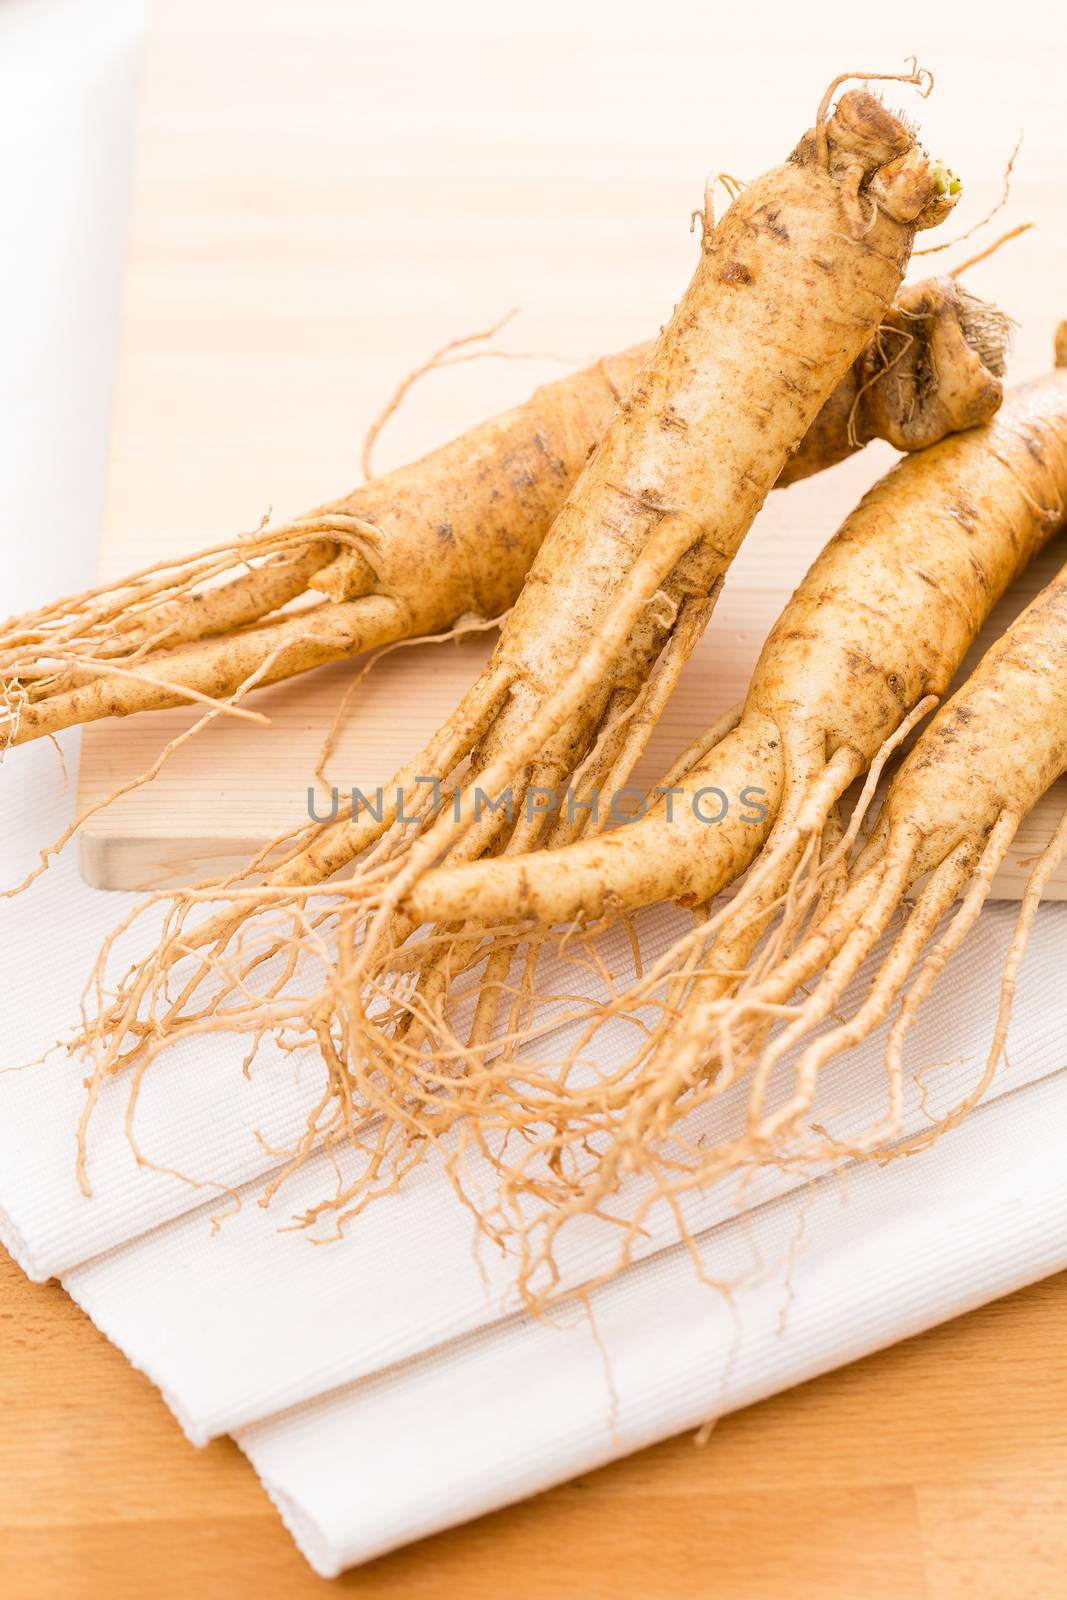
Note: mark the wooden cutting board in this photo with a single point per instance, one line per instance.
(319, 202)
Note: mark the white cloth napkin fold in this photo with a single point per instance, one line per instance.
(506, 1413)
(237, 1325)
(244, 1319)
(279, 1320)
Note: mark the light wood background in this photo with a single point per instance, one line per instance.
(318, 205)
(327, 191)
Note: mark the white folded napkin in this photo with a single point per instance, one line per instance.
(279, 1320)
(502, 1415)
(239, 1324)
(244, 1319)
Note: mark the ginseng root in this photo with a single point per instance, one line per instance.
(949, 817)
(948, 820)
(449, 537)
(791, 286)
(872, 637)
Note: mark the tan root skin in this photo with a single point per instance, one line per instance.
(998, 744)
(928, 372)
(791, 287)
(882, 620)
(884, 617)
(949, 817)
(784, 300)
(782, 303)
(951, 811)
(452, 536)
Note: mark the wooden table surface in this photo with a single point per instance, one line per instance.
(936, 1470)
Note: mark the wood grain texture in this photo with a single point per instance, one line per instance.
(319, 202)
(933, 1471)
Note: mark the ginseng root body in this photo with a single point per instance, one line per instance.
(866, 646)
(948, 819)
(448, 538)
(791, 287)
